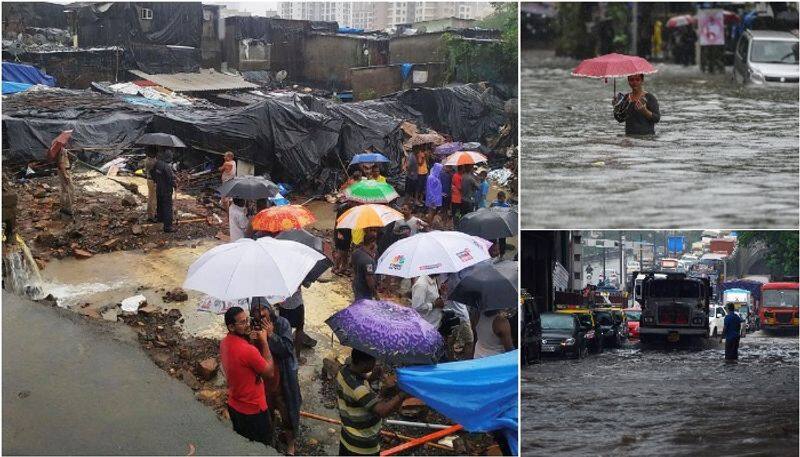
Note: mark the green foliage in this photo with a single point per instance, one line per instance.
(368, 94)
(496, 62)
(572, 37)
(783, 247)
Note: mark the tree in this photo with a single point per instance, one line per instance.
(782, 254)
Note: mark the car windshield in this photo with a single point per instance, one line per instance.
(557, 322)
(764, 51)
(634, 315)
(780, 298)
(674, 289)
(603, 318)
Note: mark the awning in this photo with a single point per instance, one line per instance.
(203, 81)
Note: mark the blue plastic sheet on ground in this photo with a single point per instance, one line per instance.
(480, 394)
(405, 70)
(12, 87)
(19, 73)
(142, 101)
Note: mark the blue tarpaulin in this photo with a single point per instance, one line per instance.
(405, 69)
(350, 30)
(12, 87)
(19, 73)
(480, 394)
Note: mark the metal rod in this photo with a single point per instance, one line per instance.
(416, 424)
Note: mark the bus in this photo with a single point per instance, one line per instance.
(779, 305)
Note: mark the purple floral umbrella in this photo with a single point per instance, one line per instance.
(447, 149)
(392, 333)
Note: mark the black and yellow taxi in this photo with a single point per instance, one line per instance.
(588, 325)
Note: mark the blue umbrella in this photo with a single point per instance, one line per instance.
(368, 157)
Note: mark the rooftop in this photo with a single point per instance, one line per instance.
(206, 80)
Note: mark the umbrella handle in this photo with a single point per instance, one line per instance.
(615, 87)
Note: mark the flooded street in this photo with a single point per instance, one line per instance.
(666, 402)
(722, 155)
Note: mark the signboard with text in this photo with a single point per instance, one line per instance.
(711, 27)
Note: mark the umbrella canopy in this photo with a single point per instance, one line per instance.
(431, 253)
(613, 66)
(252, 268)
(369, 157)
(160, 139)
(464, 158)
(447, 148)
(314, 242)
(248, 188)
(370, 191)
(488, 286)
(395, 334)
(680, 21)
(280, 218)
(58, 144)
(488, 223)
(364, 216)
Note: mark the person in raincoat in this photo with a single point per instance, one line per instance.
(433, 191)
(165, 184)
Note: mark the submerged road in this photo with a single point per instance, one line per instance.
(633, 401)
(723, 155)
(78, 387)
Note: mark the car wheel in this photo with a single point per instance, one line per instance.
(618, 341)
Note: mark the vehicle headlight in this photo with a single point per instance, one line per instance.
(756, 76)
(649, 319)
(697, 321)
(544, 341)
(569, 342)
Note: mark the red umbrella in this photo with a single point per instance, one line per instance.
(58, 144)
(613, 66)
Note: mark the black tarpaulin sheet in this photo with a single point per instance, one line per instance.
(29, 137)
(280, 133)
(468, 113)
(158, 59)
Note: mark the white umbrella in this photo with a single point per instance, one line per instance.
(432, 253)
(252, 268)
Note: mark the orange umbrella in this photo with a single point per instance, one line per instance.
(279, 218)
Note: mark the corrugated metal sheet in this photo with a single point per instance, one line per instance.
(204, 81)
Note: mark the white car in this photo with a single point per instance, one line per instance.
(766, 57)
(716, 320)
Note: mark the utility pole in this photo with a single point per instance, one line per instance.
(634, 28)
(641, 254)
(604, 265)
(622, 276)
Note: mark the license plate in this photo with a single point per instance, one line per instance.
(548, 348)
(673, 337)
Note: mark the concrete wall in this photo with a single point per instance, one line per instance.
(417, 49)
(371, 82)
(210, 44)
(77, 70)
(329, 58)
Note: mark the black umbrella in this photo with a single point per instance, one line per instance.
(488, 286)
(489, 223)
(160, 139)
(314, 242)
(249, 188)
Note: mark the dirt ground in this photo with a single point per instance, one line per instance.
(108, 252)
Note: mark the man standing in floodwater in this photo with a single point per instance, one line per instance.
(638, 109)
(731, 331)
(164, 178)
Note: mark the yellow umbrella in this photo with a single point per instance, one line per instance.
(364, 216)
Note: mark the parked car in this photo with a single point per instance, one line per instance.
(562, 334)
(716, 320)
(587, 320)
(611, 326)
(766, 57)
(632, 316)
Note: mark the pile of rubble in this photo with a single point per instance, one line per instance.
(104, 221)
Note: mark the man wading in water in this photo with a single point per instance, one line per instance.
(638, 109)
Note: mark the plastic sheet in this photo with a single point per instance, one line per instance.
(480, 394)
(12, 87)
(20, 73)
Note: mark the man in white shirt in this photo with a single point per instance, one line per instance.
(238, 223)
(426, 300)
(416, 224)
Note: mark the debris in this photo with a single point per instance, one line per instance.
(130, 201)
(330, 367)
(189, 379)
(110, 314)
(149, 309)
(81, 254)
(413, 407)
(136, 229)
(132, 304)
(207, 368)
(222, 237)
(208, 395)
(176, 294)
(175, 313)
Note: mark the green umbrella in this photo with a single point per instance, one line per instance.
(370, 191)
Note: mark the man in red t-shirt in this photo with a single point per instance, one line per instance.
(455, 195)
(247, 367)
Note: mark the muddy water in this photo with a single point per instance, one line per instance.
(723, 155)
(666, 402)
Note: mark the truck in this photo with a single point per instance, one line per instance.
(742, 301)
(674, 306)
(779, 306)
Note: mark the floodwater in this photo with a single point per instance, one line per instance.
(723, 156)
(666, 402)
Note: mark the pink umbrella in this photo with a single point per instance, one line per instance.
(680, 21)
(613, 66)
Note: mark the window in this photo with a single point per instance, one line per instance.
(146, 13)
